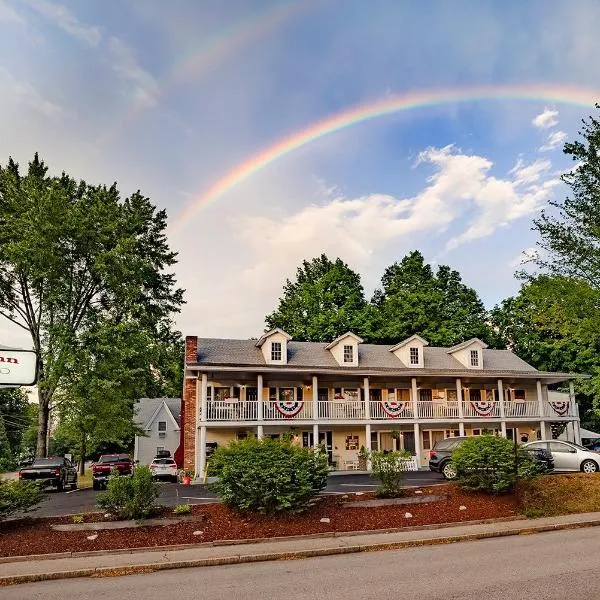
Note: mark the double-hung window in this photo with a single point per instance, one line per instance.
(414, 356)
(348, 354)
(474, 358)
(275, 350)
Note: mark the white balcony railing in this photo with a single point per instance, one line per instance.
(437, 410)
(274, 411)
(481, 409)
(522, 409)
(232, 410)
(341, 411)
(383, 411)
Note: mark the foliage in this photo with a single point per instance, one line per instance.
(77, 518)
(14, 411)
(552, 323)
(437, 306)
(73, 255)
(182, 509)
(487, 463)
(7, 460)
(130, 496)
(19, 496)
(325, 301)
(548, 496)
(267, 476)
(389, 469)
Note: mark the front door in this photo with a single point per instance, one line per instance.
(408, 438)
(387, 442)
(326, 437)
(307, 439)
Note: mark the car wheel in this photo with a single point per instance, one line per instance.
(74, 485)
(449, 470)
(95, 485)
(60, 486)
(589, 466)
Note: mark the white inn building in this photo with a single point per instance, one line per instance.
(348, 394)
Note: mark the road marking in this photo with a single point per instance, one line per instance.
(192, 498)
(79, 489)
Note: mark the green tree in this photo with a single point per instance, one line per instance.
(438, 306)
(326, 300)
(552, 323)
(14, 409)
(7, 460)
(72, 254)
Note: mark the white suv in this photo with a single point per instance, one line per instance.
(164, 468)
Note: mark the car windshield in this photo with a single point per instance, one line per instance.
(47, 462)
(113, 458)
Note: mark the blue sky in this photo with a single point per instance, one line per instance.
(168, 100)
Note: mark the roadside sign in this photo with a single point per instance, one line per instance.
(17, 367)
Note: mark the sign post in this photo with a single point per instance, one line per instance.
(17, 367)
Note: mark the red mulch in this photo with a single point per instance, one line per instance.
(217, 522)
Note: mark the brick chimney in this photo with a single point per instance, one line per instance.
(188, 405)
(191, 349)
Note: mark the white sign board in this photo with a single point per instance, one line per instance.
(17, 367)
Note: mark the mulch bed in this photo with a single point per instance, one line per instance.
(35, 536)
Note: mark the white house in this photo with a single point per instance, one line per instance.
(159, 418)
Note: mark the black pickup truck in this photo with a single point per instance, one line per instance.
(56, 471)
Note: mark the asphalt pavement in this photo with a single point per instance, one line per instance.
(171, 494)
(558, 565)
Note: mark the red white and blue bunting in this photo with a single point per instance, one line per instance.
(288, 408)
(393, 408)
(560, 407)
(483, 408)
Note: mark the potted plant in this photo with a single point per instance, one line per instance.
(186, 476)
(363, 457)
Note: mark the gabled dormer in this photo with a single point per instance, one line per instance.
(274, 346)
(410, 351)
(345, 349)
(469, 353)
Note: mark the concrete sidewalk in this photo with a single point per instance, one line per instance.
(110, 563)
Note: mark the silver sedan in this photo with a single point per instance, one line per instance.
(569, 456)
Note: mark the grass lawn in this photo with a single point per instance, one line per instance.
(85, 481)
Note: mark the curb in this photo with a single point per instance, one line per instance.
(246, 541)
(299, 554)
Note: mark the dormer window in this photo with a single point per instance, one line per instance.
(348, 354)
(474, 358)
(275, 351)
(414, 355)
(469, 354)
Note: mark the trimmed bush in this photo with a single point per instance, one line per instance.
(182, 509)
(487, 464)
(19, 496)
(389, 469)
(267, 476)
(130, 496)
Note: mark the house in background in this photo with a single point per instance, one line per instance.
(159, 418)
(346, 394)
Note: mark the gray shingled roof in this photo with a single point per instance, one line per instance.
(214, 351)
(145, 408)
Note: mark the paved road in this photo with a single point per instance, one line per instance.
(550, 566)
(68, 503)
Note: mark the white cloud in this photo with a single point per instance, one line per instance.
(63, 18)
(529, 173)
(546, 119)
(124, 63)
(9, 15)
(526, 256)
(19, 91)
(554, 140)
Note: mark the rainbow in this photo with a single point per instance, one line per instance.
(555, 94)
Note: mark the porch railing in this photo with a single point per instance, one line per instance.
(341, 411)
(274, 411)
(481, 409)
(404, 410)
(522, 409)
(436, 410)
(232, 410)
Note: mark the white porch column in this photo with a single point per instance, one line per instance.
(204, 398)
(543, 433)
(501, 405)
(315, 435)
(418, 444)
(202, 461)
(367, 401)
(260, 432)
(461, 413)
(540, 398)
(414, 397)
(577, 427)
(315, 399)
(259, 397)
(368, 443)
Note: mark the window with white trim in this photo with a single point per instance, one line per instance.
(275, 350)
(348, 353)
(414, 355)
(474, 358)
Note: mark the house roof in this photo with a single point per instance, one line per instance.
(466, 345)
(343, 337)
(373, 359)
(412, 338)
(263, 338)
(146, 408)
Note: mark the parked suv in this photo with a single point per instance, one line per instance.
(440, 457)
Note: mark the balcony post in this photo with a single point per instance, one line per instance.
(540, 398)
(502, 411)
(203, 399)
(315, 399)
(259, 397)
(315, 435)
(413, 397)
(572, 409)
(367, 395)
(418, 444)
(368, 443)
(202, 461)
(461, 413)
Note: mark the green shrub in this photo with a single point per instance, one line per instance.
(19, 496)
(130, 497)
(77, 518)
(487, 463)
(267, 476)
(389, 469)
(182, 509)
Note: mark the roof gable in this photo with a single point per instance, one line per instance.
(265, 336)
(342, 337)
(412, 338)
(464, 345)
(148, 409)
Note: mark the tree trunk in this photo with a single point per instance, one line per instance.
(82, 455)
(43, 422)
